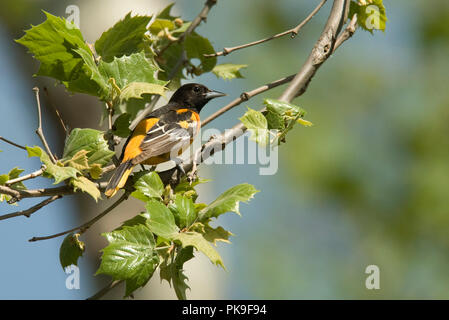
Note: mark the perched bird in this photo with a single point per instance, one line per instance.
(163, 132)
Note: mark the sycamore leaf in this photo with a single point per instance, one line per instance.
(124, 38)
(197, 241)
(56, 171)
(95, 171)
(229, 201)
(54, 43)
(371, 14)
(130, 256)
(161, 221)
(228, 71)
(78, 161)
(137, 89)
(173, 271)
(196, 47)
(71, 249)
(148, 185)
(184, 210)
(257, 125)
(121, 125)
(87, 186)
(161, 24)
(91, 141)
(216, 234)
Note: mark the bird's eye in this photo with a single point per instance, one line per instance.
(196, 89)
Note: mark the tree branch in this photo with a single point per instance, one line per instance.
(39, 128)
(13, 143)
(106, 289)
(28, 212)
(32, 175)
(83, 228)
(293, 32)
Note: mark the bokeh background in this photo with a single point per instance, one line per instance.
(368, 184)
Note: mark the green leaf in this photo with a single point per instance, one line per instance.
(130, 256)
(137, 89)
(196, 47)
(173, 271)
(121, 125)
(161, 221)
(216, 234)
(13, 174)
(56, 171)
(71, 249)
(95, 171)
(78, 161)
(161, 24)
(228, 71)
(91, 141)
(371, 14)
(257, 125)
(87, 186)
(229, 201)
(124, 38)
(185, 210)
(148, 185)
(165, 13)
(197, 241)
(54, 43)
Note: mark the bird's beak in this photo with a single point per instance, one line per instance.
(213, 94)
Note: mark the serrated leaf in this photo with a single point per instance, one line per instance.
(95, 171)
(257, 125)
(91, 141)
(121, 125)
(85, 185)
(198, 242)
(173, 272)
(216, 234)
(228, 71)
(161, 221)
(229, 201)
(78, 161)
(161, 24)
(71, 249)
(56, 171)
(196, 47)
(184, 210)
(130, 256)
(148, 185)
(137, 89)
(124, 38)
(53, 43)
(371, 14)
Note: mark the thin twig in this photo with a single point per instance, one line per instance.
(293, 32)
(28, 212)
(64, 127)
(82, 228)
(202, 16)
(32, 175)
(245, 96)
(106, 289)
(39, 128)
(13, 143)
(347, 33)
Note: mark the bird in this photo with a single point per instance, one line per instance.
(163, 134)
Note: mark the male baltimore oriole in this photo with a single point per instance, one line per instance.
(170, 127)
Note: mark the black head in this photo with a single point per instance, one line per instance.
(194, 95)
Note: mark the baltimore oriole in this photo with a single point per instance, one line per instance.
(167, 129)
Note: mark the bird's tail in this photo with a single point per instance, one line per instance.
(119, 178)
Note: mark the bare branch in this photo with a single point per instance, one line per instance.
(64, 127)
(83, 228)
(106, 289)
(39, 128)
(13, 143)
(245, 96)
(32, 175)
(28, 212)
(293, 32)
(347, 33)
